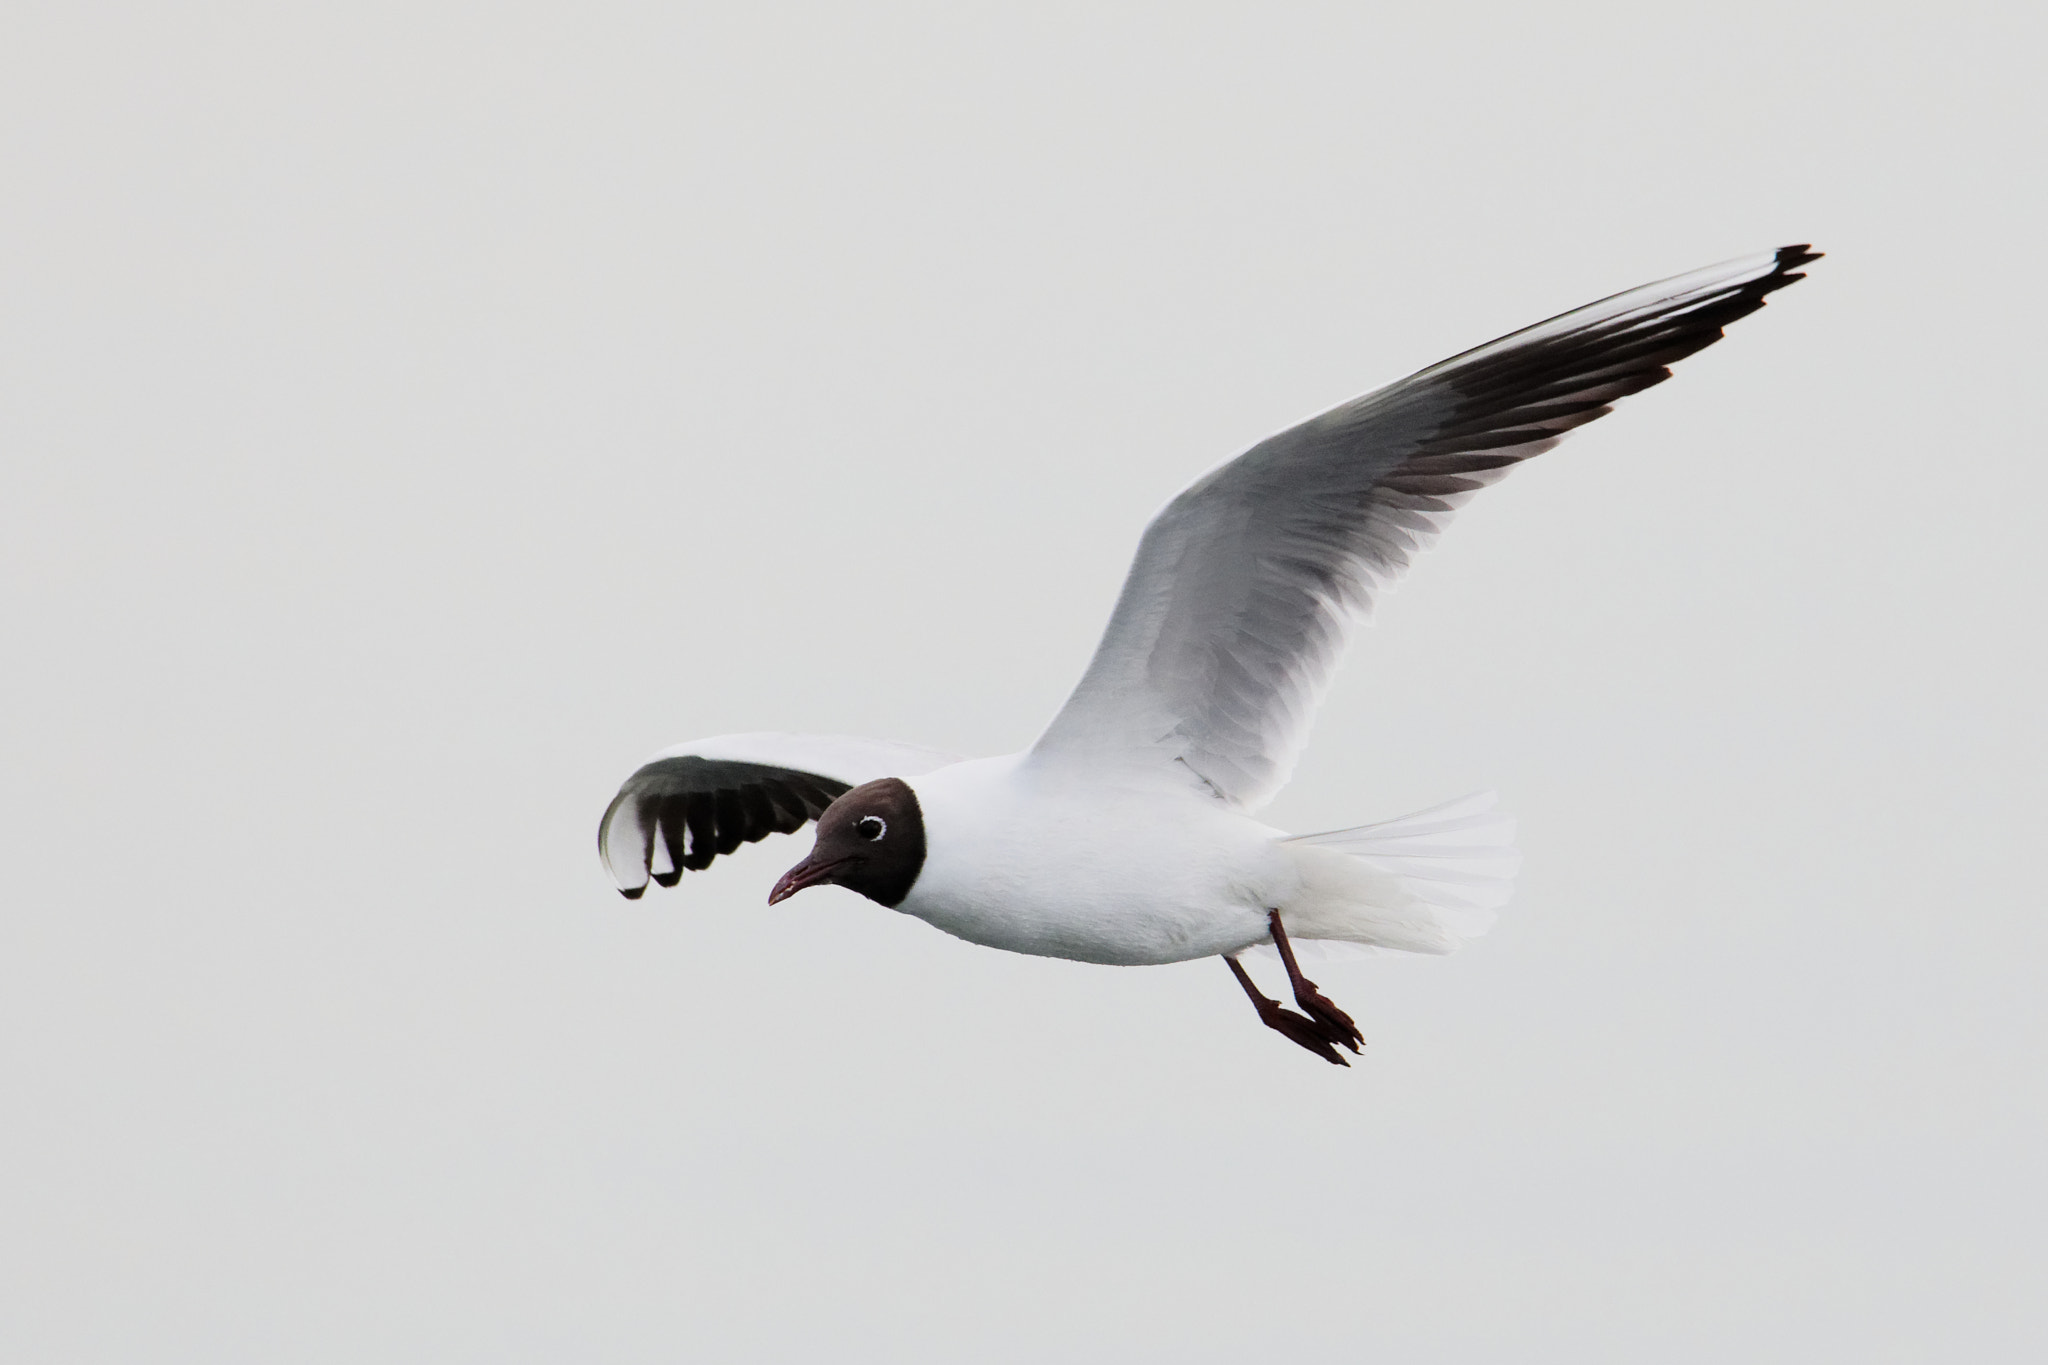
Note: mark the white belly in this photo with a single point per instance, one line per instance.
(1092, 872)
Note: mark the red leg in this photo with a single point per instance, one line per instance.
(1302, 1029)
(1337, 1025)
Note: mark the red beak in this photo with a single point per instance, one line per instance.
(809, 872)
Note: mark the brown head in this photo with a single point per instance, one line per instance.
(870, 840)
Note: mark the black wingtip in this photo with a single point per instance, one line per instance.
(667, 878)
(1792, 257)
(632, 893)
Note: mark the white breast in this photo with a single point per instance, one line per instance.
(1033, 861)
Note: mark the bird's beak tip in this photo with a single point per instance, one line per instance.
(805, 873)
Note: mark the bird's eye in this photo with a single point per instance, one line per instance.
(871, 827)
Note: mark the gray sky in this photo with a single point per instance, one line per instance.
(414, 415)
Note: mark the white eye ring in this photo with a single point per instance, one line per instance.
(871, 827)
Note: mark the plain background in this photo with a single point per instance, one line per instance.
(413, 415)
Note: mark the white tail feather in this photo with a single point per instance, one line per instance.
(1459, 859)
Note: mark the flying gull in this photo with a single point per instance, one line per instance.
(1127, 833)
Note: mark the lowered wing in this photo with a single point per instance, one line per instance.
(690, 803)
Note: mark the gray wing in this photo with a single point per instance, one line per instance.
(1235, 611)
(694, 801)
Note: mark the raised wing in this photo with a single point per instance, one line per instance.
(692, 802)
(1236, 608)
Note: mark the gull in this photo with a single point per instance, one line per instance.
(1127, 833)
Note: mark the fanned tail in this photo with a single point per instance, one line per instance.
(1459, 857)
(1458, 860)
